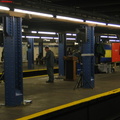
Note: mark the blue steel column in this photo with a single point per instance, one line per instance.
(88, 59)
(13, 61)
(30, 53)
(62, 53)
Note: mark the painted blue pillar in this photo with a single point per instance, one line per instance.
(88, 58)
(13, 61)
(62, 53)
(30, 53)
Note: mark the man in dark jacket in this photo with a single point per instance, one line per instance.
(50, 64)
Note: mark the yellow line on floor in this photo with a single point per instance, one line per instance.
(35, 70)
(38, 76)
(38, 69)
(69, 104)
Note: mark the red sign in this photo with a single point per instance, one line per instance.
(6, 1)
(115, 52)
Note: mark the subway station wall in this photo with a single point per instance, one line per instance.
(52, 46)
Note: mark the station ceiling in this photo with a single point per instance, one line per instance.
(103, 11)
(102, 7)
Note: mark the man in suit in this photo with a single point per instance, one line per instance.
(50, 64)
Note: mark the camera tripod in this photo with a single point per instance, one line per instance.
(79, 82)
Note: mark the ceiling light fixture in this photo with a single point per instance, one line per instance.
(74, 34)
(32, 37)
(49, 33)
(70, 38)
(95, 22)
(23, 36)
(46, 37)
(114, 40)
(75, 43)
(69, 34)
(56, 38)
(33, 31)
(104, 36)
(113, 25)
(4, 8)
(33, 13)
(69, 18)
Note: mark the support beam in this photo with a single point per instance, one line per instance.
(88, 58)
(62, 53)
(13, 61)
(30, 53)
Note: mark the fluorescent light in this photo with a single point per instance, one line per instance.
(49, 33)
(1, 28)
(22, 30)
(66, 38)
(112, 37)
(74, 34)
(95, 22)
(32, 37)
(4, 8)
(69, 34)
(104, 36)
(33, 13)
(46, 37)
(70, 38)
(75, 43)
(33, 31)
(69, 18)
(114, 40)
(56, 38)
(23, 36)
(114, 25)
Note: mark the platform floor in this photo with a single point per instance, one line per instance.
(47, 95)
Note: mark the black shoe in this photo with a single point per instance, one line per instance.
(49, 81)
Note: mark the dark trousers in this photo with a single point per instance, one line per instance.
(50, 71)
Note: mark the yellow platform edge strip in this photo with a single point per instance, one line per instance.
(34, 70)
(38, 69)
(38, 76)
(69, 104)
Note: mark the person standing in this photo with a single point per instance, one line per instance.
(50, 64)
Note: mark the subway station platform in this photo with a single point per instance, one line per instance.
(25, 66)
(48, 95)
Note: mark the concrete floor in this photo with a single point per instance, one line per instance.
(45, 96)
